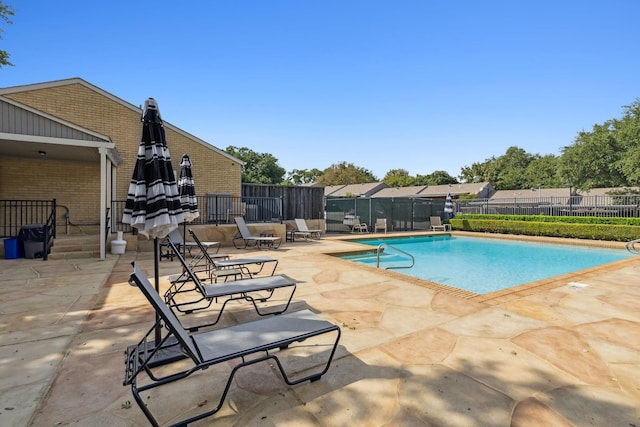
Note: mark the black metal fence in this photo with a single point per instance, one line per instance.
(402, 214)
(577, 205)
(217, 209)
(17, 213)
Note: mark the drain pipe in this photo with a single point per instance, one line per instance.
(66, 217)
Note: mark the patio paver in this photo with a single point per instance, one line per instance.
(409, 355)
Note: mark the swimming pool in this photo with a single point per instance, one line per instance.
(484, 265)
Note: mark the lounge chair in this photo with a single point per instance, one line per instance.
(190, 295)
(177, 239)
(360, 227)
(244, 236)
(304, 231)
(245, 344)
(216, 265)
(437, 225)
(381, 224)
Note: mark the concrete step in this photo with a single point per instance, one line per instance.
(75, 246)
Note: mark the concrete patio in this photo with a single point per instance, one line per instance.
(565, 353)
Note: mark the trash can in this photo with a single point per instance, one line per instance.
(12, 248)
(33, 237)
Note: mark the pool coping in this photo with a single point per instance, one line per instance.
(503, 295)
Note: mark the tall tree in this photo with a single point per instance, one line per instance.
(345, 173)
(398, 178)
(510, 168)
(515, 169)
(435, 178)
(303, 176)
(6, 12)
(480, 172)
(627, 134)
(259, 168)
(593, 160)
(543, 172)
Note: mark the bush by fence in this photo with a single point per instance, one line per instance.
(595, 228)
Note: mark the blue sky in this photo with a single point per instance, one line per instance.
(420, 85)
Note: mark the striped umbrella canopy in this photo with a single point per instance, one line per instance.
(153, 202)
(187, 190)
(448, 205)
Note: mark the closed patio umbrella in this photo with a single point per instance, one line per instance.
(153, 204)
(448, 206)
(187, 190)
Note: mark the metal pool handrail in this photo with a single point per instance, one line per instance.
(634, 246)
(380, 249)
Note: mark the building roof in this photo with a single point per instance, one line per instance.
(48, 135)
(412, 191)
(77, 80)
(354, 190)
(531, 193)
(454, 189)
(605, 190)
(380, 189)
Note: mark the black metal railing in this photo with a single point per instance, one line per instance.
(216, 209)
(624, 206)
(49, 232)
(16, 213)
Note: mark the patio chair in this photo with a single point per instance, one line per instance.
(437, 225)
(247, 239)
(244, 344)
(360, 227)
(304, 231)
(177, 239)
(214, 265)
(190, 295)
(381, 224)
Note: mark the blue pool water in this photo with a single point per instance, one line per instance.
(483, 265)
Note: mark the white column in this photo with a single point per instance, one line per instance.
(103, 202)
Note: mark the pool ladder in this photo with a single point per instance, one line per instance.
(634, 246)
(380, 249)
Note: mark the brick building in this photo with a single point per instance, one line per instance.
(74, 142)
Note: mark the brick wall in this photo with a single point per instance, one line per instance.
(76, 185)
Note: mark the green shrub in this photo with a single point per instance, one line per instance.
(595, 228)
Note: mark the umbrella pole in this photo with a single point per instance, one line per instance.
(156, 273)
(184, 237)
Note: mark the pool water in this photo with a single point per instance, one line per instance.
(484, 265)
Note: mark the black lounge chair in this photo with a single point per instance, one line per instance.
(246, 343)
(247, 239)
(177, 239)
(217, 266)
(258, 289)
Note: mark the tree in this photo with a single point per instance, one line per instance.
(479, 172)
(627, 134)
(435, 178)
(515, 169)
(593, 160)
(303, 176)
(259, 168)
(345, 173)
(6, 12)
(398, 178)
(543, 172)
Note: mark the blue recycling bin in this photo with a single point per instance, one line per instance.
(12, 248)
